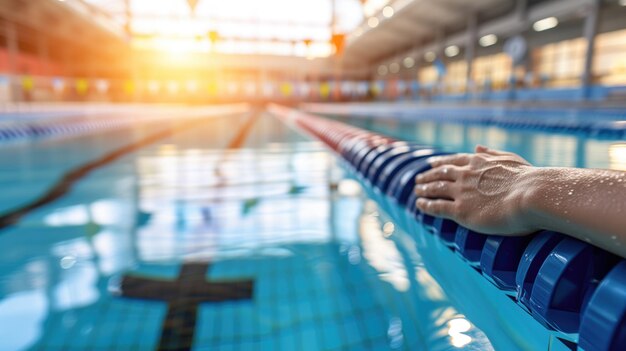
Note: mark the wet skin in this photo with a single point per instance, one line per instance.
(496, 192)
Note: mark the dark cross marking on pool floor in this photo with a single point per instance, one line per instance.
(190, 289)
(184, 295)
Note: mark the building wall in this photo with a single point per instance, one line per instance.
(555, 65)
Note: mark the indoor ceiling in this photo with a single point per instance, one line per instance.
(415, 22)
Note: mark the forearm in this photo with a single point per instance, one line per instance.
(587, 204)
(496, 192)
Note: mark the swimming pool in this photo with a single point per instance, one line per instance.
(572, 288)
(541, 148)
(240, 234)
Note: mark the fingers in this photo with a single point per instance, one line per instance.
(485, 150)
(437, 208)
(440, 189)
(481, 149)
(449, 173)
(454, 160)
(510, 155)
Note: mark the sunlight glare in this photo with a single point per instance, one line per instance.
(243, 26)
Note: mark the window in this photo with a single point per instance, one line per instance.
(455, 79)
(560, 64)
(492, 72)
(609, 65)
(428, 75)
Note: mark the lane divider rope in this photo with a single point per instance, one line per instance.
(569, 286)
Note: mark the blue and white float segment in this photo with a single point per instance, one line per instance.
(36, 125)
(546, 291)
(605, 123)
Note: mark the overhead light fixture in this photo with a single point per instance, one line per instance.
(545, 24)
(452, 51)
(408, 62)
(430, 56)
(394, 67)
(388, 11)
(488, 40)
(382, 70)
(372, 22)
(622, 2)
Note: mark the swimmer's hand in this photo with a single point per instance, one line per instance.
(480, 191)
(495, 192)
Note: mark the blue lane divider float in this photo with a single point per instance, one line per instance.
(566, 281)
(383, 160)
(391, 175)
(370, 157)
(469, 244)
(446, 230)
(500, 259)
(535, 254)
(603, 326)
(567, 285)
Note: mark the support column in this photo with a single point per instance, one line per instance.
(68, 74)
(15, 88)
(128, 19)
(590, 32)
(416, 77)
(441, 46)
(470, 50)
(521, 11)
(68, 60)
(43, 53)
(440, 39)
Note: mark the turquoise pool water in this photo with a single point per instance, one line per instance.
(283, 249)
(273, 210)
(538, 147)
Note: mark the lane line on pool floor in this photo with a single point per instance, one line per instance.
(64, 185)
(190, 289)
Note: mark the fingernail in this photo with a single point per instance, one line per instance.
(434, 159)
(421, 204)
